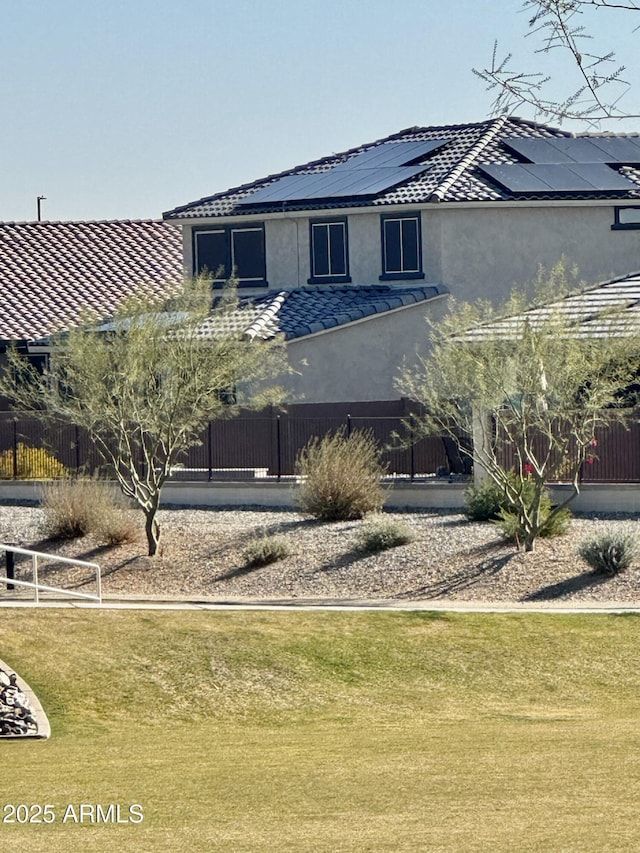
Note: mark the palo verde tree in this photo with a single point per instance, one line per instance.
(574, 76)
(530, 388)
(145, 384)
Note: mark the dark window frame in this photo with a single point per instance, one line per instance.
(625, 226)
(228, 232)
(331, 277)
(401, 274)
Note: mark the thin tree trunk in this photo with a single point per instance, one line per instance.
(152, 529)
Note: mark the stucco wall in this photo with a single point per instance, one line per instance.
(486, 252)
(479, 251)
(360, 361)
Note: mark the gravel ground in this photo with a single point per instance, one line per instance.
(451, 559)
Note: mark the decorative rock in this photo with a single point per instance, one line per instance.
(18, 716)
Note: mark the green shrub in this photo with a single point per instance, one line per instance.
(33, 463)
(266, 549)
(341, 476)
(489, 502)
(75, 508)
(509, 524)
(611, 552)
(380, 534)
(484, 502)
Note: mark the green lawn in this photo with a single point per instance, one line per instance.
(294, 731)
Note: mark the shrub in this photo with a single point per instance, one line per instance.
(489, 502)
(266, 549)
(611, 552)
(32, 463)
(484, 502)
(509, 524)
(380, 534)
(78, 507)
(342, 476)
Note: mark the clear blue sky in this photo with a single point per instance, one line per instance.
(125, 108)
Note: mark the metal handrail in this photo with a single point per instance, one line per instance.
(53, 558)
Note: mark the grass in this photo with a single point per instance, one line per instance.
(254, 731)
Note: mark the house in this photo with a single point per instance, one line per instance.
(346, 255)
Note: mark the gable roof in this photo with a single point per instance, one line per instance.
(51, 272)
(452, 172)
(609, 308)
(308, 310)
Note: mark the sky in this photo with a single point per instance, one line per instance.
(123, 109)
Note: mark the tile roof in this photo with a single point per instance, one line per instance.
(51, 272)
(452, 174)
(610, 308)
(306, 310)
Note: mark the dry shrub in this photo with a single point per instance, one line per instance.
(32, 463)
(610, 552)
(380, 534)
(341, 476)
(87, 506)
(266, 549)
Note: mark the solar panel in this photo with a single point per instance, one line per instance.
(392, 154)
(624, 150)
(557, 177)
(333, 184)
(537, 150)
(515, 178)
(365, 174)
(608, 149)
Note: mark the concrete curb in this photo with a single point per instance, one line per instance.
(441, 606)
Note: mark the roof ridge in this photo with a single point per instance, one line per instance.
(468, 159)
(260, 323)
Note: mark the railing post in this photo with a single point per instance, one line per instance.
(10, 558)
(15, 449)
(348, 426)
(210, 450)
(278, 448)
(35, 579)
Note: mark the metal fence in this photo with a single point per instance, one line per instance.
(614, 458)
(266, 444)
(250, 446)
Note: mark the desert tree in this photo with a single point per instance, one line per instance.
(587, 83)
(144, 384)
(530, 388)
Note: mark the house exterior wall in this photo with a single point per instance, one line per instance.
(485, 252)
(481, 251)
(360, 361)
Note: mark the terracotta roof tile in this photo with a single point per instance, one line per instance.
(50, 272)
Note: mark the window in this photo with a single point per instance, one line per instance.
(627, 218)
(329, 251)
(401, 250)
(240, 249)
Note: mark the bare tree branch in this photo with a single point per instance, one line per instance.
(557, 25)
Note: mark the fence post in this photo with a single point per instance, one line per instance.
(77, 431)
(210, 450)
(278, 447)
(348, 426)
(412, 438)
(15, 449)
